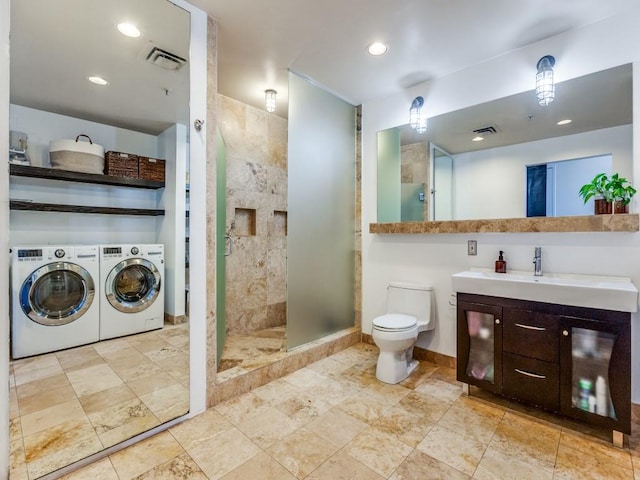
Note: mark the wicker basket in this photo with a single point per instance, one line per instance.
(151, 168)
(119, 164)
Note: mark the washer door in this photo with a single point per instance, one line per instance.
(57, 293)
(133, 285)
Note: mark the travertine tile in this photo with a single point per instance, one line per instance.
(422, 405)
(78, 358)
(404, 426)
(54, 397)
(533, 441)
(223, 453)
(168, 403)
(17, 462)
(342, 466)
(472, 419)
(421, 466)
(93, 379)
(179, 468)
(336, 427)
(237, 409)
(261, 466)
(59, 446)
(380, 452)
(100, 470)
(145, 455)
(460, 452)
(439, 389)
(363, 407)
(259, 426)
(301, 452)
(276, 392)
(152, 383)
(52, 416)
(387, 394)
(102, 400)
(41, 386)
(596, 449)
(200, 429)
(500, 465)
(32, 372)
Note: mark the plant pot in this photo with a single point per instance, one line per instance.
(620, 208)
(601, 206)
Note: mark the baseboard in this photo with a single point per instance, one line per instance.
(174, 319)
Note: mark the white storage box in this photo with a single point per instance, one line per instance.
(76, 156)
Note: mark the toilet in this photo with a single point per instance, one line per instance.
(410, 310)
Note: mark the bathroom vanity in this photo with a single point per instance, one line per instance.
(568, 359)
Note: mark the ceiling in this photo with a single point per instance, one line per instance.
(258, 43)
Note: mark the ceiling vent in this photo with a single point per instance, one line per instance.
(484, 131)
(164, 59)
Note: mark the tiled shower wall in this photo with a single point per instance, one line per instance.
(256, 288)
(414, 164)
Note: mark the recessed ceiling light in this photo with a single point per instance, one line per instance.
(377, 48)
(129, 29)
(477, 139)
(97, 80)
(564, 122)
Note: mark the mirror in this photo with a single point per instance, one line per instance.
(456, 178)
(107, 374)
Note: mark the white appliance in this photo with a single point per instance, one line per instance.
(54, 302)
(132, 299)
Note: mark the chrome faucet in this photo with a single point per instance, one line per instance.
(537, 261)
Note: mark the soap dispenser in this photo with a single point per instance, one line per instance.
(501, 265)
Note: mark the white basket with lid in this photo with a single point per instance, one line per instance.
(77, 156)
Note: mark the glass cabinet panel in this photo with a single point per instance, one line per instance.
(480, 345)
(480, 364)
(591, 352)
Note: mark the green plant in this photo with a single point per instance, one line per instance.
(615, 189)
(620, 189)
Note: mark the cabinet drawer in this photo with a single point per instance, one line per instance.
(531, 380)
(531, 334)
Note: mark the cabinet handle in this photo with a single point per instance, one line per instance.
(531, 327)
(497, 321)
(565, 333)
(529, 374)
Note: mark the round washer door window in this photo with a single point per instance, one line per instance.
(57, 294)
(133, 285)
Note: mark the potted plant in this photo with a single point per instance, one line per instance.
(611, 195)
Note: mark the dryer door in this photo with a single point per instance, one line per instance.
(57, 293)
(133, 285)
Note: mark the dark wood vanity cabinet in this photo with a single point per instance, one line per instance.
(571, 360)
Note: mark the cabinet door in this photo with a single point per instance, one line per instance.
(595, 366)
(480, 345)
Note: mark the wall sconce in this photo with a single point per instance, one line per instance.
(417, 119)
(270, 100)
(545, 89)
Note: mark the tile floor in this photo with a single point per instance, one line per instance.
(244, 353)
(333, 420)
(70, 404)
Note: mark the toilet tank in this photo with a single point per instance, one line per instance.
(412, 299)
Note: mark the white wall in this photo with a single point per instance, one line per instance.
(434, 258)
(498, 175)
(171, 227)
(43, 228)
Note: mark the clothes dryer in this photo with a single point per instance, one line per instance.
(132, 299)
(54, 303)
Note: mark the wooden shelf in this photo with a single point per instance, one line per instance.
(52, 207)
(65, 175)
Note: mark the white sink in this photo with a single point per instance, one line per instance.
(593, 291)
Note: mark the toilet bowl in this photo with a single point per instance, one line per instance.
(410, 310)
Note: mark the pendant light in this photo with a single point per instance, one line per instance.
(545, 89)
(270, 100)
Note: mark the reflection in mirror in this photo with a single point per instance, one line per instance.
(487, 178)
(113, 366)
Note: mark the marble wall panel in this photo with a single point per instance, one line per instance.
(256, 179)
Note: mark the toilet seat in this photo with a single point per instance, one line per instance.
(394, 322)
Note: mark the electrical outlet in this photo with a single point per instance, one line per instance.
(472, 247)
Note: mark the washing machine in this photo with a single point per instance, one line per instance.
(54, 302)
(132, 299)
